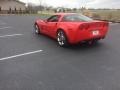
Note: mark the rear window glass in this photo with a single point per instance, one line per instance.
(76, 18)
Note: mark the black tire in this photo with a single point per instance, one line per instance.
(62, 38)
(36, 29)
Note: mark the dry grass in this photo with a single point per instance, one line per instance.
(111, 15)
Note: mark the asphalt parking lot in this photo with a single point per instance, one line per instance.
(32, 62)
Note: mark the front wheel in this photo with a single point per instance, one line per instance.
(62, 38)
(37, 30)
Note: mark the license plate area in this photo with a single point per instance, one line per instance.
(95, 32)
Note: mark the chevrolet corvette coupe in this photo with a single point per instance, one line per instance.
(72, 28)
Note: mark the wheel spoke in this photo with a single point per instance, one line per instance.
(37, 29)
(61, 38)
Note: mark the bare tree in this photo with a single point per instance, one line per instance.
(40, 5)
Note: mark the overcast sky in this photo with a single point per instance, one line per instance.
(78, 3)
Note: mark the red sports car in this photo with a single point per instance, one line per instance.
(72, 28)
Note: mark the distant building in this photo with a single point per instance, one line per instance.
(12, 6)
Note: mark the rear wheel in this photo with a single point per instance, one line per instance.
(37, 29)
(62, 38)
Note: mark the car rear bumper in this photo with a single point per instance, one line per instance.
(81, 36)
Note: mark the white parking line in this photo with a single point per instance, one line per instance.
(12, 35)
(5, 27)
(28, 53)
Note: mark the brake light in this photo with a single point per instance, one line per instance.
(105, 25)
(84, 27)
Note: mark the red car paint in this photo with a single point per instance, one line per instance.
(75, 31)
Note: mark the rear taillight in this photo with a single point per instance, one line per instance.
(105, 25)
(84, 27)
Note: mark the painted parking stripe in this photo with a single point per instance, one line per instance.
(12, 35)
(18, 55)
(5, 27)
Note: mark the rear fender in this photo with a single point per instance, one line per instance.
(64, 29)
(70, 34)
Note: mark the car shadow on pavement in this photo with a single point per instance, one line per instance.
(80, 46)
(83, 46)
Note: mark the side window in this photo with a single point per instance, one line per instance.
(54, 18)
(70, 18)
